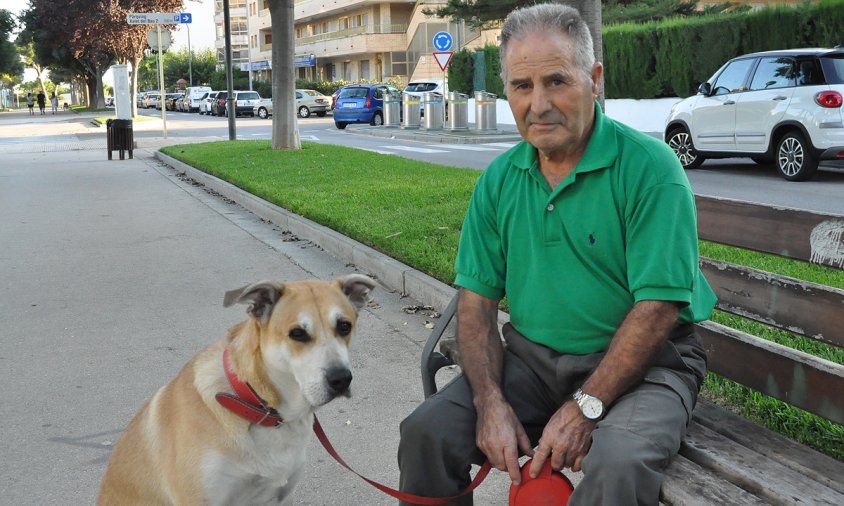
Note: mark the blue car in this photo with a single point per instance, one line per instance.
(361, 103)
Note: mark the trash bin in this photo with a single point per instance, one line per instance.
(410, 111)
(458, 111)
(119, 137)
(392, 109)
(433, 111)
(485, 104)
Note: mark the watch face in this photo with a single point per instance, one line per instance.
(592, 408)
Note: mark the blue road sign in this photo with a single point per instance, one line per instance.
(185, 18)
(443, 41)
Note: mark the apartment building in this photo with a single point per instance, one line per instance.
(350, 40)
(239, 33)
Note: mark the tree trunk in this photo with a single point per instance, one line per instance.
(590, 10)
(285, 130)
(133, 84)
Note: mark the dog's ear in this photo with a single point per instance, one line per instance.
(357, 288)
(260, 296)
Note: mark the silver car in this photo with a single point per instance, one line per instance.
(307, 102)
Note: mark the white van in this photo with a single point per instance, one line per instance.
(193, 95)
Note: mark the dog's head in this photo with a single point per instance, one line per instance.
(305, 328)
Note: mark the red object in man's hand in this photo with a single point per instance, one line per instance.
(550, 488)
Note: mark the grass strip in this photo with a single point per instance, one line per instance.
(413, 211)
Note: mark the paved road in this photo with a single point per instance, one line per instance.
(113, 276)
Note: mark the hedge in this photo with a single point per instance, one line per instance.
(672, 57)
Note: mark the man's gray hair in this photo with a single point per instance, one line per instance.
(551, 17)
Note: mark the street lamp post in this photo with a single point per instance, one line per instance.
(190, 58)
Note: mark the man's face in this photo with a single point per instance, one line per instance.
(551, 98)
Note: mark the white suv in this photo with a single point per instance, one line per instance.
(783, 107)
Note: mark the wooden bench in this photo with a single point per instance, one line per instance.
(726, 459)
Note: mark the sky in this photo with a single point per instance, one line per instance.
(201, 29)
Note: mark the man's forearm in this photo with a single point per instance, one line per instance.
(480, 345)
(642, 333)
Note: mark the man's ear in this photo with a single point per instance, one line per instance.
(260, 296)
(357, 288)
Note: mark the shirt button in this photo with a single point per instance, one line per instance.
(550, 207)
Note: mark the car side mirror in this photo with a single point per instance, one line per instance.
(704, 89)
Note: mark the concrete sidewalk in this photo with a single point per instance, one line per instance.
(114, 273)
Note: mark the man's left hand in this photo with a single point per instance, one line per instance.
(565, 439)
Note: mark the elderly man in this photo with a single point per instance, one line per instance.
(589, 228)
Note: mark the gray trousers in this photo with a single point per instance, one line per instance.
(631, 446)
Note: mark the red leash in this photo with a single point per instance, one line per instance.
(402, 496)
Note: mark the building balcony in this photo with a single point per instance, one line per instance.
(351, 32)
(307, 10)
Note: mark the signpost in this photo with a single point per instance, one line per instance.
(442, 43)
(158, 19)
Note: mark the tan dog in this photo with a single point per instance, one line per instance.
(189, 445)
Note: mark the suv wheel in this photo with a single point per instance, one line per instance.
(680, 142)
(794, 158)
(304, 112)
(262, 113)
(377, 119)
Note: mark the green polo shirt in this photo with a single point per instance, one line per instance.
(621, 228)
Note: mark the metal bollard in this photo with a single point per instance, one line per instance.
(458, 111)
(433, 111)
(485, 104)
(410, 111)
(392, 110)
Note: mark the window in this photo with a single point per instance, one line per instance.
(268, 38)
(347, 70)
(733, 77)
(833, 68)
(773, 73)
(364, 69)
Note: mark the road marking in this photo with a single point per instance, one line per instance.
(465, 147)
(378, 151)
(313, 138)
(505, 145)
(415, 150)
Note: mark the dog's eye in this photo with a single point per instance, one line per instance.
(344, 328)
(299, 334)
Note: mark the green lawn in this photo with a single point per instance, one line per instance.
(413, 211)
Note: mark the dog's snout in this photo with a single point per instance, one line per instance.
(339, 379)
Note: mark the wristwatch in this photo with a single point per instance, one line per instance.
(591, 407)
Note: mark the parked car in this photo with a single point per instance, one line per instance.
(150, 100)
(170, 101)
(361, 103)
(245, 102)
(334, 96)
(139, 99)
(193, 96)
(180, 104)
(419, 88)
(218, 106)
(781, 107)
(206, 101)
(307, 102)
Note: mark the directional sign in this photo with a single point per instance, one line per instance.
(158, 18)
(443, 41)
(443, 57)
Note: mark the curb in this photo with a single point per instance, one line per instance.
(390, 272)
(441, 136)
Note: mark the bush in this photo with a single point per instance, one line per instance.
(492, 70)
(461, 72)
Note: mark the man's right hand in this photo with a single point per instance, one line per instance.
(501, 436)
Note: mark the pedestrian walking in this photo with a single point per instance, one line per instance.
(42, 99)
(30, 102)
(54, 102)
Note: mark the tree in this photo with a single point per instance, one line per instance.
(10, 63)
(285, 132)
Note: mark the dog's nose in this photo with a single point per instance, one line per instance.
(339, 379)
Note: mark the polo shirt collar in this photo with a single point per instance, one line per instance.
(601, 151)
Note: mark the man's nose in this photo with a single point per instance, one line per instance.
(540, 102)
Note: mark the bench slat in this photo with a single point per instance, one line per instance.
(804, 235)
(808, 309)
(688, 484)
(800, 379)
(754, 472)
(802, 459)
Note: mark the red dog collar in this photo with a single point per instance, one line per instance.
(245, 402)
